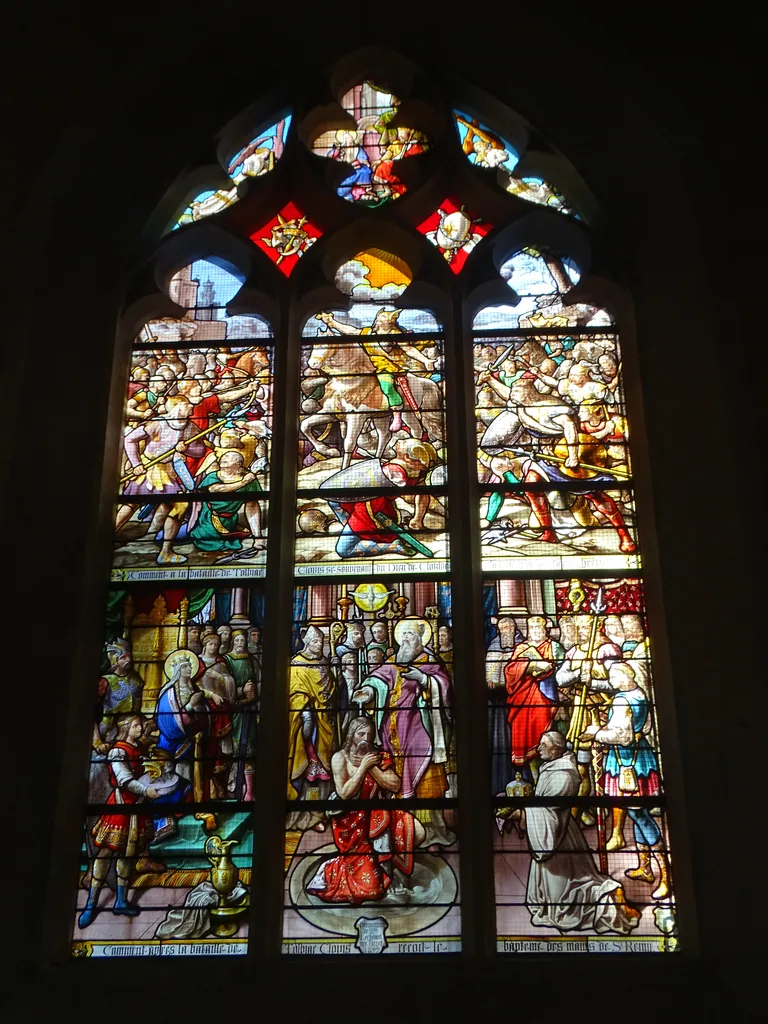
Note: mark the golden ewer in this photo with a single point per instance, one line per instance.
(225, 918)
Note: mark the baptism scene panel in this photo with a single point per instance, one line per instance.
(381, 651)
(370, 884)
(540, 530)
(560, 888)
(177, 701)
(371, 719)
(571, 656)
(571, 714)
(372, 148)
(163, 883)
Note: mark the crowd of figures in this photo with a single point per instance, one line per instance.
(372, 417)
(571, 715)
(196, 420)
(550, 411)
(371, 715)
(196, 744)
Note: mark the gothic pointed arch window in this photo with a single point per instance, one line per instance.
(376, 630)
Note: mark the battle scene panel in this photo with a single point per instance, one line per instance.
(550, 408)
(372, 412)
(188, 408)
(202, 540)
(560, 529)
(371, 719)
(355, 534)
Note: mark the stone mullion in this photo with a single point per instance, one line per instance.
(269, 792)
(476, 859)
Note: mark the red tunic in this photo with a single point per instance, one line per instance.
(220, 723)
(530, 712)
(357, 874)
(115, 831)
(362, 519)
(201, 418)
(362, 514)
(385, 172)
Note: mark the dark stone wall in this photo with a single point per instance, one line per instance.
(102, 114)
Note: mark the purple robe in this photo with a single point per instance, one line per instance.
(413, 730)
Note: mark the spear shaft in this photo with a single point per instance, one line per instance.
(196, 437)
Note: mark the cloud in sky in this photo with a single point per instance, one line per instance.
(420, 321)
(242, 326)
(351, 279)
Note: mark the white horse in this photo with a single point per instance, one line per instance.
(353, 397)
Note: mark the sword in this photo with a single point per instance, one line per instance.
(245, 553)
(511, 348)
(384, 520)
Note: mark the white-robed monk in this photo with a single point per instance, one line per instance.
(565, 889)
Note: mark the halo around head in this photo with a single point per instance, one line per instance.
(173, 659)
(414, 620)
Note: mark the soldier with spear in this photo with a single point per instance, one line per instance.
(161, 467)
(587, 663)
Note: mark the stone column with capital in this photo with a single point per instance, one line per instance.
(239, 610)
(512, 599)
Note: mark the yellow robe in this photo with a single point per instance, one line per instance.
(310, 687)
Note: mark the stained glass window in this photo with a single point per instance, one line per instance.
(261, 153)
(454, 231)
(370, 140)
(311, 386)
(571, 705)
(485, 148)
(253, 160)
(176, 706)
